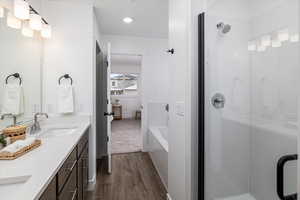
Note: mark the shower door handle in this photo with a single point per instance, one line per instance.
(280, 177)
(109, 114)
(218, 101)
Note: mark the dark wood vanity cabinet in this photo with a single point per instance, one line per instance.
(83, 171)
(50, 192)
(71, 181)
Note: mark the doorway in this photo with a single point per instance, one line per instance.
(125, 80)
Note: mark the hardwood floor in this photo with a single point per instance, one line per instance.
(134, 178)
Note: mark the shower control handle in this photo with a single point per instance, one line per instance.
(280, 177)
(218, 101)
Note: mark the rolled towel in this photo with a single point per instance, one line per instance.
(18, 145)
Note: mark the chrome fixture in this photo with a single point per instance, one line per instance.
(223, 28)
(218, 101)
(10, 115)
(36, 125)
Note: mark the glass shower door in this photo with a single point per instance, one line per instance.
(252, 86)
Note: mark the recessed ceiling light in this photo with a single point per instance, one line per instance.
(127, 20)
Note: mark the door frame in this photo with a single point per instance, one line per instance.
(141, 90)
(201, 107)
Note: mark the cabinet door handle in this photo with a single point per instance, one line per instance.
(74, 194)
(280, 177)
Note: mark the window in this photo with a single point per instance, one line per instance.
(124, 84)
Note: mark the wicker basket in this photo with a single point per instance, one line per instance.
(15, 133)
(12, 156)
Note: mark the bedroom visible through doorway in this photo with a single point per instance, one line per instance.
(126, 103)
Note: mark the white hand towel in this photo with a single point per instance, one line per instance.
(65, 99)
(13, 101)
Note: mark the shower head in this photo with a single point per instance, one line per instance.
(223, 28)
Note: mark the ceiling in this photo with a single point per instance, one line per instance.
(150, 17)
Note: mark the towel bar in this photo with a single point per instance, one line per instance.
(66, 76)
(16, 75)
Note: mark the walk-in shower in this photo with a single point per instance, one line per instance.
(249, 103)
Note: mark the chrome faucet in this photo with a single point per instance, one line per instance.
(10, 115)
(36, 125)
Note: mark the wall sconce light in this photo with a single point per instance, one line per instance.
(1, 12)
(21, 9)
(26, 30)
(35, 22)
(13, 22)
(46, 31)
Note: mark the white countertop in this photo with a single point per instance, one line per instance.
(42, 163)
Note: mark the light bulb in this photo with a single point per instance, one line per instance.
(294, 37)
(46, 31)
(266, 40)
(26, 30)
(13, 22)
(21, 9)
(1, 12)
(35, 22)
(252, 46)
(128, 20)
(283, 35)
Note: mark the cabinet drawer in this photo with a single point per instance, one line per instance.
(66, 169)
(81, 144)
(69, 192)
(50, 192)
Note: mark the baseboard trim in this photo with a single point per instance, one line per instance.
(168, 197)
(92, 184)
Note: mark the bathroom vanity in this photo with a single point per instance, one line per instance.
(58, 169)
(71, 181)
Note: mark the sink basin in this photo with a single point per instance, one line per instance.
(7, 180)
(57, 132)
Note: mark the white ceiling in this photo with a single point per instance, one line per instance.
(150, 17)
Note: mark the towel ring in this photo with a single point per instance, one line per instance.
(66, 76)
(16, 75)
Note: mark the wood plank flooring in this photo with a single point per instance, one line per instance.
(134, 178)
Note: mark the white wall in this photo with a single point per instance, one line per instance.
(155, 74)
(71, 50)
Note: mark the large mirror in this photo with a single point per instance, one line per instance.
(19, 54)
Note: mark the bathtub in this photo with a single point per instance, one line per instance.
(158, 149)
